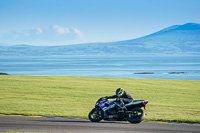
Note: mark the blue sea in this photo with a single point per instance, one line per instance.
(148, 67)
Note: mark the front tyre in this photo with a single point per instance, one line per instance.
(96, 115)
(136, 116)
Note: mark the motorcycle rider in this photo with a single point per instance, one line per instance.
(122, 98)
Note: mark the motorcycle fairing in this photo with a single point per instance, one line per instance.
(105, 105)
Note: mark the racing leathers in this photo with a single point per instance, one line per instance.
(123, 99)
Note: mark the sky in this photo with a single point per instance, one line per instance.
(64, 22)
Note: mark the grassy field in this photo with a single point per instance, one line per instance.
(169, 100)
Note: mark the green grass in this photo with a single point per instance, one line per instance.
(169, 100)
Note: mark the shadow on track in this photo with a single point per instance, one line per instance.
(82, 121)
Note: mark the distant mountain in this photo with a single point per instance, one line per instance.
(177, 39)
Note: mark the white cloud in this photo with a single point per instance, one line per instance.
(61, 30)
(39, 31)
(54, 35)
(77, 32)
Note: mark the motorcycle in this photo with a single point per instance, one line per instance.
(110, 110)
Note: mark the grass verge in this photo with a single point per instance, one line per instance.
(169, 100)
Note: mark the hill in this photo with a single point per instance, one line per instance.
(177, 39)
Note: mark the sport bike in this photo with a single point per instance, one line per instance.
(110, 110)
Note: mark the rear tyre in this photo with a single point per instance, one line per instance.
(96, 115)
(136, 116)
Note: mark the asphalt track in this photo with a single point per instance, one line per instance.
(78, 125)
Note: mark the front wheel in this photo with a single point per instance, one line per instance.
(136, 116)
(96, 115)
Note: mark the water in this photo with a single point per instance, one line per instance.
(160, 67)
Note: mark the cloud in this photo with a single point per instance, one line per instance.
(61, 30)
(39, 31)
(54, 35)
(77, 32)
(65, 30)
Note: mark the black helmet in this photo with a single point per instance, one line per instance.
(119, 91)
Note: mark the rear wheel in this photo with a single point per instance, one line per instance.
(96, 115)
(136, 116)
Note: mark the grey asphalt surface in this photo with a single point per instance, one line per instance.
(78, 125)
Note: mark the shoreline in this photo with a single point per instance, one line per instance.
(102, 77)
